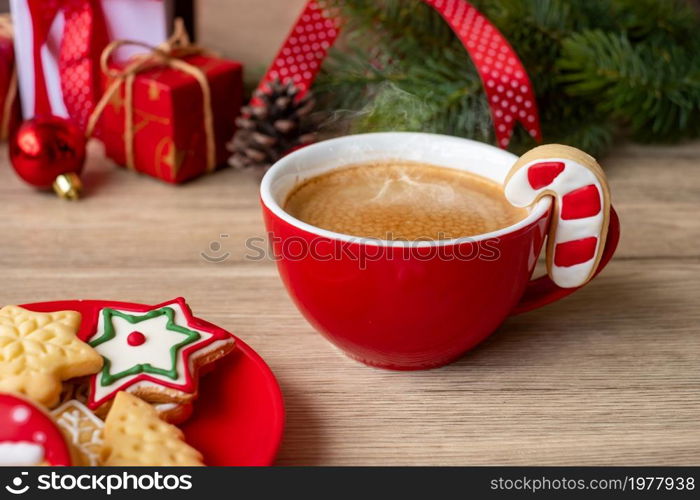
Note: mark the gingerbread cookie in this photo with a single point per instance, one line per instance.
(40, 350)
(83, 429)
(28, 436)
(134, 435)
(580, 212)
(76, 388)
(79, 390)
(153, 352)
(174, 413)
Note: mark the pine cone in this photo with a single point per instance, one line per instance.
(276, 124)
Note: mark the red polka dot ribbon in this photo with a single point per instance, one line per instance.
(84, 37)
(507, 85)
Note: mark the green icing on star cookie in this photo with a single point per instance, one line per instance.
(191, 336)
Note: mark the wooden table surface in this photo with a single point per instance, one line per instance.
(610, 375)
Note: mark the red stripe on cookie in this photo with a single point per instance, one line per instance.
(580, 203)
(542, 174)
(574, 252)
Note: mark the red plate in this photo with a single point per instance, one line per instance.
(238, 418)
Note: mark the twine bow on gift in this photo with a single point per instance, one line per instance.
(169, 54)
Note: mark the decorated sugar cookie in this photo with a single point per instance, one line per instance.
(153, 352)
(40, 350)
(581, 208)
(134, 435)
(28, 436)
(83, 428)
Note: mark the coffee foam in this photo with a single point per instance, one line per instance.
(402, 200)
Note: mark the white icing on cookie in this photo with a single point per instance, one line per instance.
(573, 176)
(163, 407)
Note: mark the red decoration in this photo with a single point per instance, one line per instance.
(84, 37)
(28, 436)
(9, 104)
(48, 151)
(169, 111)
(507, 85)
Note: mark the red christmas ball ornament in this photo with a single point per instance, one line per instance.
(49, 152)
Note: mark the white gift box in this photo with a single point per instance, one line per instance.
(140, 20)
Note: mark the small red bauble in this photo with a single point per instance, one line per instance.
(49, 151)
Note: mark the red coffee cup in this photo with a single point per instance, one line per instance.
(408, 305)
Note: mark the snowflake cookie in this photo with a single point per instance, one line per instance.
(83, 428)
(40, 350)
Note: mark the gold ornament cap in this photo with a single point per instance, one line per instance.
(68, 186)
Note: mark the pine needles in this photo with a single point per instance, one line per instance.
(600, 68)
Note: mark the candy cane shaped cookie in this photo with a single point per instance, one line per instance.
(581, 207)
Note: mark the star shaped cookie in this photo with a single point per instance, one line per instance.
(40, 350)
(153, 352)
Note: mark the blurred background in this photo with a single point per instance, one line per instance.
(247, 30)
(600, 70)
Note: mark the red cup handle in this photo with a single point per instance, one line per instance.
(542, 291)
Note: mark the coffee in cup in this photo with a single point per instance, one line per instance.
(402, 200)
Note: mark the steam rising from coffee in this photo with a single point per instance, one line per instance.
(388, 107)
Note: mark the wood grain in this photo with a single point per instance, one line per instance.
(607, 376)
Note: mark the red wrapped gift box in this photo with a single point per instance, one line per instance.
(9, 104)
(168, 133)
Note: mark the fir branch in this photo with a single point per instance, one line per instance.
(652, 88)
(657, 21)
(598, 67)
(434, 79)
